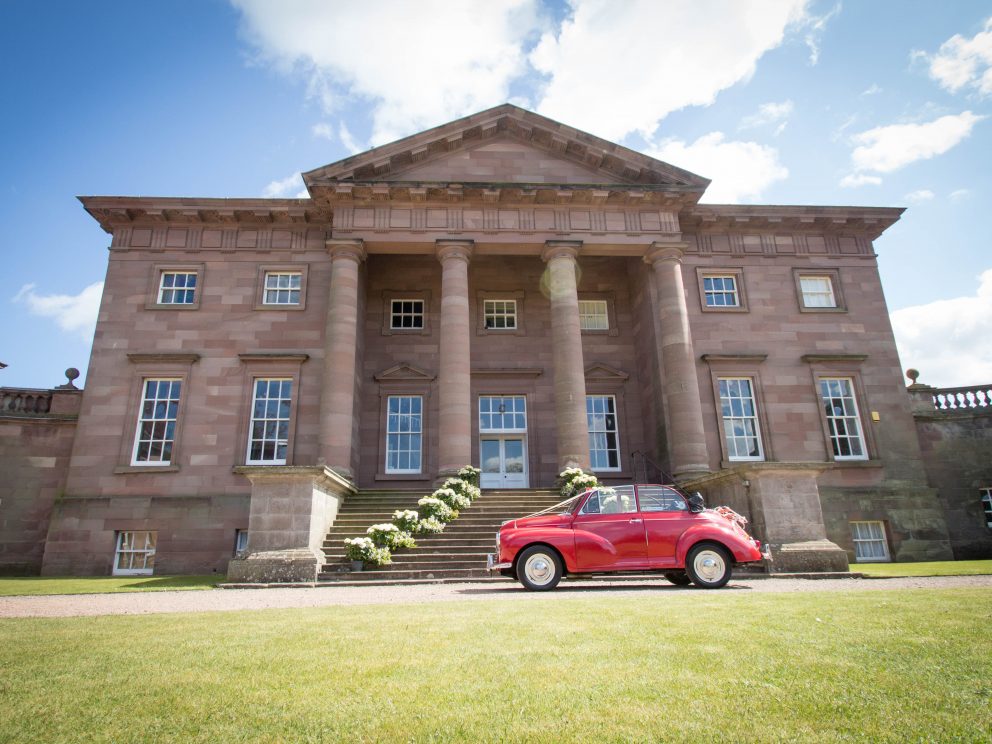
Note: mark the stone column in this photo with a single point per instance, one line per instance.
(455, 369)
(337, 399)
(686, 435)
(566, 348)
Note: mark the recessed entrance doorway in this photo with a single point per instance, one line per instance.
(503, 441)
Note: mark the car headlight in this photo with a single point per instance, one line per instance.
(497, 541)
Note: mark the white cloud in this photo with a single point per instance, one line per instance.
(947, 340)
(871, 90)
(920, 195)
(73, 313)
(289, 187)
(322, 131)
(815, 26)
(740, 171)
(614, 69)
(419, 64)
(348, 140)
(769, 113)
(959, 194)
(854, 180)
(962, 62)
(885, 149)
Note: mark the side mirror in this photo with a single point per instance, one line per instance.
(696, 502)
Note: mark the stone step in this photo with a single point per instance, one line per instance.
(461, 574)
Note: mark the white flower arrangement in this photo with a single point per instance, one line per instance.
(388, 535)
(573, 481)
(430, 526)
(470, 475)
(463, 487)
(406, 519)
(452, 498)
(363, 549)
(434, 507)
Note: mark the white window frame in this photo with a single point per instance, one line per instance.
(397, 427)
(849, 418)
(808, 294)
(987, 505)
(168, 436)
(496, 310)
(714, 292)
(863, 526)
(265, 419)
(282, 295)
(730, 435)
(594, 315)
(188, 290)
(240, 542)
(516, 412)
(593, 431)
(413, 314)
(127, 547)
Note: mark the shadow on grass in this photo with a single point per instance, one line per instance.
(578, 586)
(174, 582)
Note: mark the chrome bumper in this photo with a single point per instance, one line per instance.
(766, 552)
(492, 565)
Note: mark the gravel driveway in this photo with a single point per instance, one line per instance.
(213, 600)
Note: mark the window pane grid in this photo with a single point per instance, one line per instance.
(177, 288)
(502, 413)
(282, 287)
(604, 441)
(987, 506)
(135, 553)
(404, 433)
(268, 437)
(721, 291)
(593, 315)
(500, 314)
(740, 419)
(156, 434)
(818, 291)
(869, 541)
(843, 422)
(406, 314)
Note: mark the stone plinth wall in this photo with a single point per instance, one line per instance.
(34, 458)
(196, 534)
(957, 452)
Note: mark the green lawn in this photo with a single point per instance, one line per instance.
(653, 665)
(35, 585)
(933, 568)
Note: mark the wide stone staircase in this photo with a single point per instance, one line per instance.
(457, 554)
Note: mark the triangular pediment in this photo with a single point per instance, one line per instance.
(505, 145)
(600, 371)
(403, 373)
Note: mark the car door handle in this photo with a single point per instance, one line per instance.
(635, 521)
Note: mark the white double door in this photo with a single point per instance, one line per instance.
(504, 461)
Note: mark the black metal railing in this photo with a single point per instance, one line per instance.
(647, 470)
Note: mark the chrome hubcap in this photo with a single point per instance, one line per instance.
(539, 569)
(709, 566)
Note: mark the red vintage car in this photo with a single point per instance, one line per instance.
(626, 528)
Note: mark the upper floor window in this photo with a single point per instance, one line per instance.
(604, 437)
(500, 314)
(157, 417)
(987, 506)
(177, 288)
(817, 291)
(406, 314)
(843, 421)
(721, 291)
(593, 315)
(282, 288)
(268, 436)
(740, 418)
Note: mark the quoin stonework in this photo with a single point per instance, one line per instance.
(502, 290)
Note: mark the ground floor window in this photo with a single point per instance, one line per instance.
(987, 506)
(240, 542)
(135, 554)
(404, 433)
(604, 439)
(869, 542)
(740, 419)
(843, 421)
(268, 438)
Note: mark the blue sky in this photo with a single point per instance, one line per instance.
(785, 102)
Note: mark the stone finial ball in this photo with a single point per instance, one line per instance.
(71, 374)
(912, 374)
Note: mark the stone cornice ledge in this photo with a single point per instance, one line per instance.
(274, 356)
(325, 476)
(754, 358)
(813, 358)
(507, 372)
(162, 357)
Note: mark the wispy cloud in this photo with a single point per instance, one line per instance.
(871, 90)
(854, 180)
(740, 171)
(322, 131)
(815, 27)
(288, 187)
(348, 140)
(958, 194)
(74, 314)
(963, 62)
(769, 114)
(920, 195)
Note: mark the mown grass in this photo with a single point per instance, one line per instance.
(653, 665)
(931, 568)
(38, 585)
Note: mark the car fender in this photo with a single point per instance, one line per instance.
(561, 540)
(733, 542)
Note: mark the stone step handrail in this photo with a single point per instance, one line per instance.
(25, 401)
(960, 398)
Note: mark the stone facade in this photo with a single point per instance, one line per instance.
(604, 259)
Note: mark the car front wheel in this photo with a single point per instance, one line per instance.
(678, 578)
(708, 566)
(539, 568)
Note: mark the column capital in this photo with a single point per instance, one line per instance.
(339, 248)
(556, 248)
(665, 252)
(461, 249)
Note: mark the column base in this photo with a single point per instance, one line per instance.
(812, 556)
(276, 566)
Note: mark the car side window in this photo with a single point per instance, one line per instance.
(661, 499)
(619, 500)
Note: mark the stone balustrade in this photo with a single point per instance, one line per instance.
(962, 398)
(25, 401)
